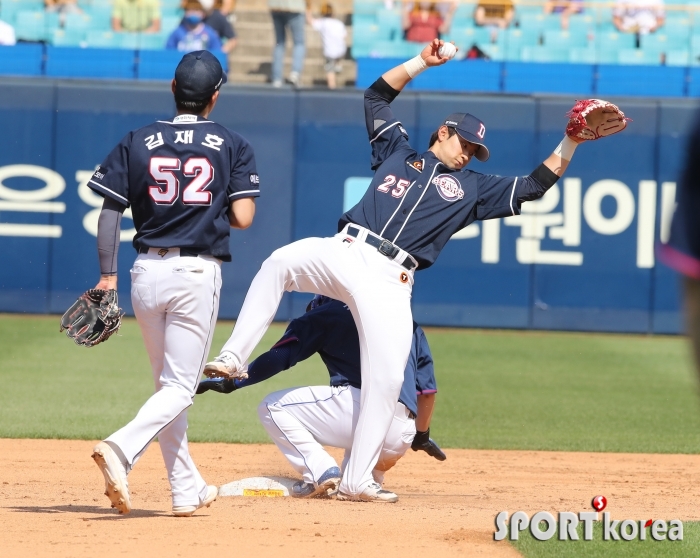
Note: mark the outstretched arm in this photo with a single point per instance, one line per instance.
(397, 78)
(108, 231)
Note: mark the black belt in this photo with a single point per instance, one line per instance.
(184, 252)
(384, 247)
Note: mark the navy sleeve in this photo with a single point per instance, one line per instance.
(112, 177)
(497, 196)
(267, 365)
(386, 134)
(425, 373)
(244, 181)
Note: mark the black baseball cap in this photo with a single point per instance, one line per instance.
(198, 76)
(471, 129)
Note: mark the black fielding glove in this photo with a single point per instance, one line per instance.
(423, 442)
(217, 384)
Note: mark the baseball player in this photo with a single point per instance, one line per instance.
(302, 420)
(414, 204)
(188, 181)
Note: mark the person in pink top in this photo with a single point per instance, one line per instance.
(422, 22)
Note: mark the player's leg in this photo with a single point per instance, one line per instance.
(382, 314)
(396, 443)
(302, 420)
(188, 292)
(311, 265)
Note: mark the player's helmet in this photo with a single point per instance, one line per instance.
(318, 300)
(470, 128)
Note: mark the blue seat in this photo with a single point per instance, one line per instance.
(662, 42)
(169, 23)
(10, 8)
(585, 55)
(161, 64)
(582, 24)
(66, 37)
(564, 39)
(396, 49)
(543, 53)
(81, 22)
(638, 56)
(21, 60)
(88, 62)
(609, 44)
(466, 37)
(390, 21)
(494, 52)
(366, 6)
(35, 25)
(678, 58)
(532, 20)
(360, 21)
(102, 39)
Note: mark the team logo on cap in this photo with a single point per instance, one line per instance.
(482, 131)
(448, 187)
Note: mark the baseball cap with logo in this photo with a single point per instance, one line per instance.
(471, 129)
(198, 76)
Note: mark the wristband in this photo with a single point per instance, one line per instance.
(566, 148)
(415, 66)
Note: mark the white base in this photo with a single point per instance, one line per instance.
(258, 486)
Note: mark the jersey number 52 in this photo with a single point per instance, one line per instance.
(390, 181)
(167, 189)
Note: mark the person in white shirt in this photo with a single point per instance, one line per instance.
(333, 34)
(7, 34)
(638, 16)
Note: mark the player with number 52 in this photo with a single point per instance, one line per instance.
(188, 181)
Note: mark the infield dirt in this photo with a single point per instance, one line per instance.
(52, 503)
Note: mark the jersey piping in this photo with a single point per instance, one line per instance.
(512, 193)
(427, 187)
(384, 130)
(110, 191)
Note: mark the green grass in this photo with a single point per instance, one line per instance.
(497, 389)
(689, 547)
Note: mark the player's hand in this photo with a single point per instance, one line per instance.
(219, 385)
(431, 55)
(424, 442)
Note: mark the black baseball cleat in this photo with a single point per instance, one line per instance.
(220, 385)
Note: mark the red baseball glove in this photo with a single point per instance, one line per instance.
(593, 119)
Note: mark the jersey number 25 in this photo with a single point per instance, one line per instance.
(390, 181)
(167, 189)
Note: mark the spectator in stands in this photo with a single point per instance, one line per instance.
(136, 16)
(638, 16)
(288, 14)
(422, 22)
(193, 33)
(63, 7)
(497, 14)
(564, 7)
(333, 35)
(218, 22)
(7, 34)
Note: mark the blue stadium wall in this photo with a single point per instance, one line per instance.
(580, 259)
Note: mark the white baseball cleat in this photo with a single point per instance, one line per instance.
(116, 485)
(373, 493)
(186, 511)
(225, 366)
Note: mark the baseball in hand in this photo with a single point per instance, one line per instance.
(447, 50)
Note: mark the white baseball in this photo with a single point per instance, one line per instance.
(447, 50)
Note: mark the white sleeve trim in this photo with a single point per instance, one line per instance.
(512, 193)
(244, 192)
(384, 130)
(110, 191)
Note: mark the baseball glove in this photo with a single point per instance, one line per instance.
(93, 318)
(424, 442)
(593, 119)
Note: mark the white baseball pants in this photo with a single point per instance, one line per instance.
(377, 291)
(303, 420)
(176, 301)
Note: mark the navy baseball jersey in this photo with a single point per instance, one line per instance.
(330, 331)
(682, 252)
(416, 201)
(179, 178)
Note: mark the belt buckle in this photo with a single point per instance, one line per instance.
(388, 249)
